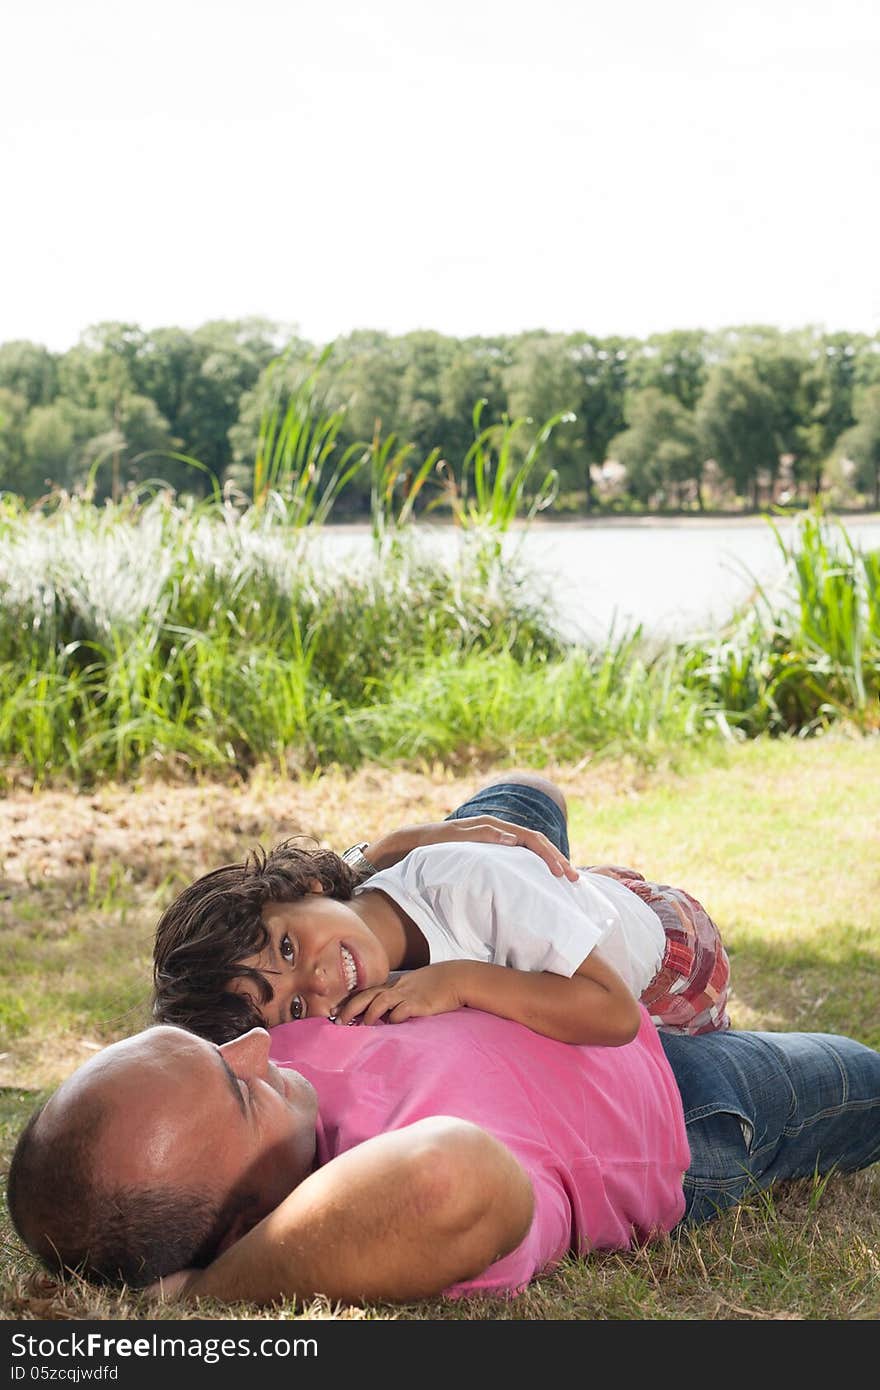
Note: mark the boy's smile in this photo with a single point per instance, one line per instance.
(320, 951)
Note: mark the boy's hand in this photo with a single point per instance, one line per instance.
(487, 830)
(433, 989)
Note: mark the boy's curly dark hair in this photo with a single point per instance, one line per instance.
(216, 923)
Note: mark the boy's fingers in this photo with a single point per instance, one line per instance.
(401, 1012)
(370, 1005)
(379, 1006)
(355, 1006)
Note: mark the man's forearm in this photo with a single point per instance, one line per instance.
(401, 1216)
(389, 849)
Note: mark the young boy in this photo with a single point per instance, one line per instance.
(294, 934)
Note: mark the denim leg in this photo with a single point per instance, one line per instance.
(764, 1106)
(522, 805)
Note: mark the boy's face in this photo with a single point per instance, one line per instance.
(319, 952)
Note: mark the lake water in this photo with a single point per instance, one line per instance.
(675, 578)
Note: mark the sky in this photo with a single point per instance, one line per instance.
(476, 167)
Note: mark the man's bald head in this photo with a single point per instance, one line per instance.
(149, 1159)
(75, 1218)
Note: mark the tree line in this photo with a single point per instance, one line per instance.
(739, 417)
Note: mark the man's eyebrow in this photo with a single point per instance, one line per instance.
(234, 1083)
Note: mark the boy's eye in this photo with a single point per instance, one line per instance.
(297, 1008)
(286, 947)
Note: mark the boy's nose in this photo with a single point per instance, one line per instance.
(318, 978)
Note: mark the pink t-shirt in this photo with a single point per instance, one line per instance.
(599, 1130)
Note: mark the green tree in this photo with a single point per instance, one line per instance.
(675, 363)
(363, 376)
(841, 355)
(543, 380)
(131, 446)
(737, 419)
(31, 371)
(867, 365)
(661, 449)
(791, 367)
(13, 415)
(862, 442)
(425, 357)
(474, 372)
(230, 355)
(102, 365)
(603, 366)
(54, 437)
(195, 381)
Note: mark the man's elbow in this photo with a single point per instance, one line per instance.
(473, 1193)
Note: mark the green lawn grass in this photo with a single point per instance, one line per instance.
(779, 840)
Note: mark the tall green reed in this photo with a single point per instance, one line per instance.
(298, 464)
(492, 705)
(807, 651)
(497, 471)
(153, 634)
(161, 633)
(396, 483)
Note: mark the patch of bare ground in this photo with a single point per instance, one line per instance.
(84, 877)
(158, 830)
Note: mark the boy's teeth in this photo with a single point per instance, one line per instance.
(349, 968)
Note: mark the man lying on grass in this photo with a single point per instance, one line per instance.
(460, 1152)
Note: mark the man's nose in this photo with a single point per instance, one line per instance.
(249, 1054)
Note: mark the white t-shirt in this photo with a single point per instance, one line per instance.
(502, 905)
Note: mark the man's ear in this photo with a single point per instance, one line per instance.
(315, 885)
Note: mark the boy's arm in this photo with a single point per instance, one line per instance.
(398, 1217)
(593, 1006)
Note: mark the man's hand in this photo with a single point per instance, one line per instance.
(171, 1287)
(400, 1216)
(433, 989)
(487, 830)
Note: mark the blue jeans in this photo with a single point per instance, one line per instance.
(522, 805)
(758, 1106)
(764, 1106)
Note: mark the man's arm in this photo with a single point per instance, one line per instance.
(398, 1217)
(488, 830)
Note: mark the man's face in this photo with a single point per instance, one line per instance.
(319, 952)
(186, 1114)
